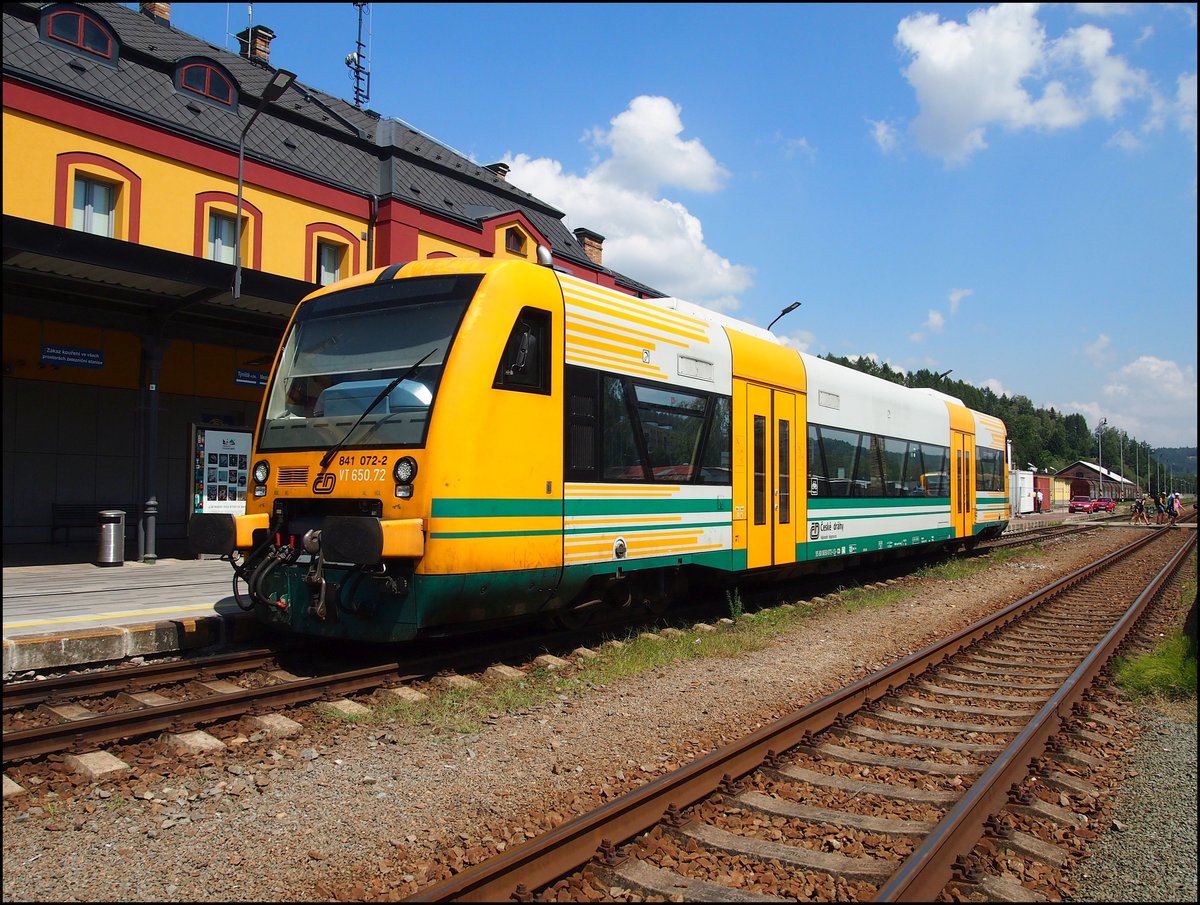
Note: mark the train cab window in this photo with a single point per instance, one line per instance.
(525, 363)
(717, 455)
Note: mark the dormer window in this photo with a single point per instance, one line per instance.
(514, 240)
(80, 31)
(206, 80)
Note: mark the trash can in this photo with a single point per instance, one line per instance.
(112, 538)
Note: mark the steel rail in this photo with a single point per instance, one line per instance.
(19, 695)
(927, 870)
(542, 860)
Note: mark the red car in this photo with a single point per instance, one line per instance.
(1081, 504)
(1105, 504)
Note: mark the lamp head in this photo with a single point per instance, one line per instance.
(278, 84)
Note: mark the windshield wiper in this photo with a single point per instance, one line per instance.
(328, 457)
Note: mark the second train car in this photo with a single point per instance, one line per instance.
(456, 443)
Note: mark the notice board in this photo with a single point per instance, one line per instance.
(221, 461)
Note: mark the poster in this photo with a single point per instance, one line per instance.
(221, 464)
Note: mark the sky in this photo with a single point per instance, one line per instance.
(1005, 192)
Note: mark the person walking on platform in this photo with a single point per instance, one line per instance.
(1037, 502)
(1160, 508)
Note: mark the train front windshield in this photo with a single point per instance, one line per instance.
(343, 351)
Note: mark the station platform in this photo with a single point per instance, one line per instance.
(60, 609)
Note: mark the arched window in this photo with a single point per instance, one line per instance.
(206, 80)
(79, 30)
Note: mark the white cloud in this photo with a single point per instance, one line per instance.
(996, 387)
(999, 69)
(647, 237)
(1125, 140)
(800, 340)
(885, 135)
(1105, 9)
(933, 324)
(956, 296)
(1150, 398)
(647, 152)
(1097, 350)
(1185, 106)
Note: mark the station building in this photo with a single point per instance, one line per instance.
(135, 308)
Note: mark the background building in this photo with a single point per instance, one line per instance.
(132, 152)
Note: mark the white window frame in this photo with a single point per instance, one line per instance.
(327, 275)
(222, 237)
(94, 207)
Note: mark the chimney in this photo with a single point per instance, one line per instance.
(160, 12)
(256, 43)
(500, 169)
(593, 245)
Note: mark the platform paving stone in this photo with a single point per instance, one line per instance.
(195, 742)
(95, 764)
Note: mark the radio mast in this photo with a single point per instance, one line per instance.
(360, 71)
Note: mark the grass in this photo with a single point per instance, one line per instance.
(453, 712)
(1168, 673)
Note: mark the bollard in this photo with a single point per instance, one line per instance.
(112, 538)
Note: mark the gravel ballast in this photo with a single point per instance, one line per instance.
(362, 812)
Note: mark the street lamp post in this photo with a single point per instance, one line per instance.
(1100, 448)
(1122, 466)
(275, 87)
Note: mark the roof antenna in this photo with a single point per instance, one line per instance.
(359, 63)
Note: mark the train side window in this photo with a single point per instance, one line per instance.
(760, 470)
(525, 363)
(839, 450)
(583, 425)
(621, 454)
(718, 442)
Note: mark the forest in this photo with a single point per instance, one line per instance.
(1048, 439)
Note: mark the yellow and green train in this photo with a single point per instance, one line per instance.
(451, 444)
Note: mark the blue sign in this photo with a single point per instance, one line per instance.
(73, 357)
(249, 378)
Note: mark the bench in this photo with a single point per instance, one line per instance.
(85, 515)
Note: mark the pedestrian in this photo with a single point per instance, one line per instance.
(1037, 501)
(1135, 511)
(1172, 508)
(1160, 508)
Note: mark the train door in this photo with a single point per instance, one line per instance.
(962, 490)
(772, 438)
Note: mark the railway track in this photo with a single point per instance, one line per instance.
(920, 781)
(79, 712)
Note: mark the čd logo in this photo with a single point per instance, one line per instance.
(324, 482)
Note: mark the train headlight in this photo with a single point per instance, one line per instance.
(405, 470)
(404, 491)
(262, 471)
